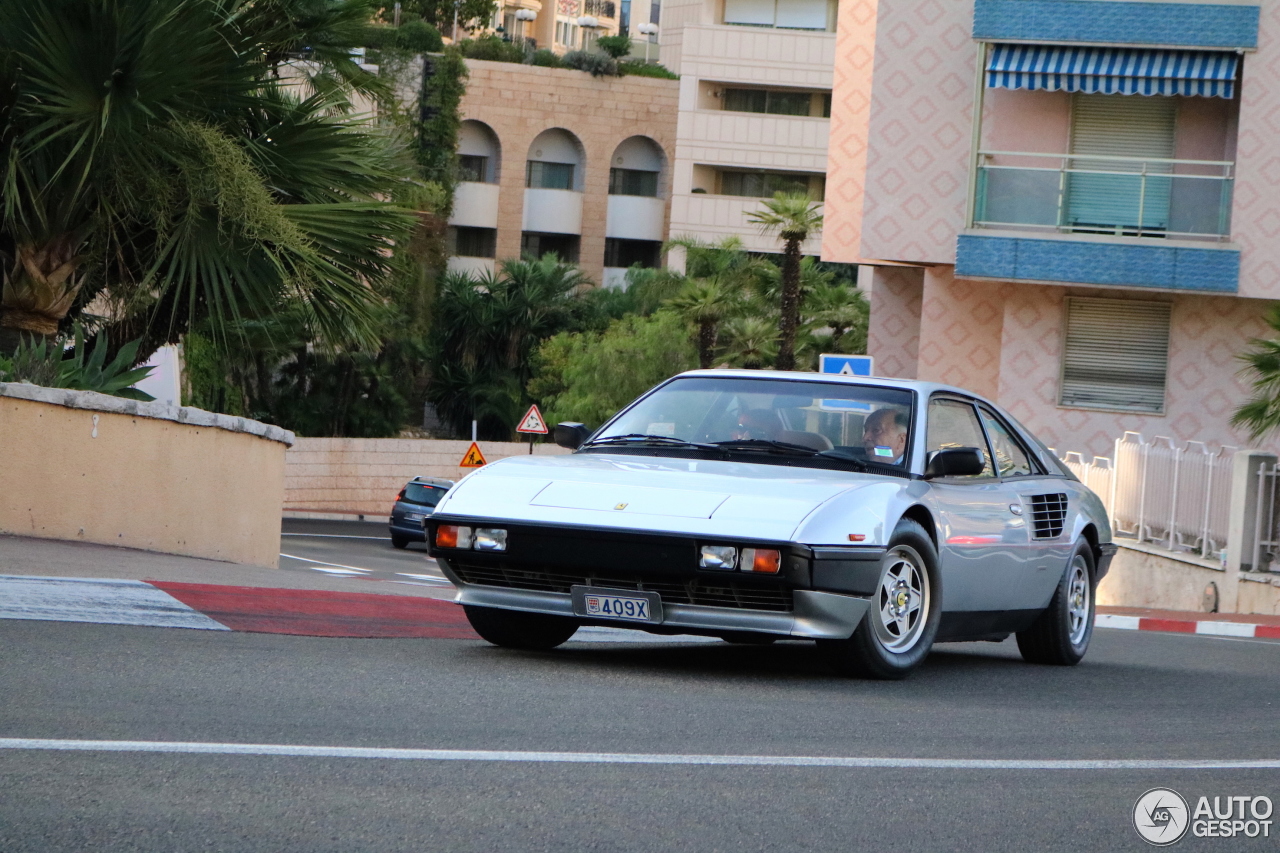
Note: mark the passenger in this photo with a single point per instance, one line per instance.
(884, 435)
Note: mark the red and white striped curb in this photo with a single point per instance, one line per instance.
(213, 607)
(1180, 626)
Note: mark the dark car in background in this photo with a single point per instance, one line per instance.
(416, 501)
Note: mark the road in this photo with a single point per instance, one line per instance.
(352, 549)
(1157, 697)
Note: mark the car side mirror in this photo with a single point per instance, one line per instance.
(955, 462)
(571, 435)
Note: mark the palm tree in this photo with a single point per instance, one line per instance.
(750, 342)
(178, 191)
(793, 217)
(843, 310)
(1260, 414)
(704, 303)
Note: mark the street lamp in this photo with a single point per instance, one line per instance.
(647, 30)
(588, 22)
(524, 15)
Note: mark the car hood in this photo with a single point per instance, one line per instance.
(662, 494)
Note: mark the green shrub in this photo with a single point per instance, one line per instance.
(412, 36)
(46, 363)
(636, 68)
(493, 49)
(595, 64)
(616, 46)
(546, 58)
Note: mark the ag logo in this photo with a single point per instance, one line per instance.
(1161, 816)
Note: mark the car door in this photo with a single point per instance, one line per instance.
(984, 541)
(1044, 507)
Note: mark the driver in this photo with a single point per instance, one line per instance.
(884, 435)
(758, 424)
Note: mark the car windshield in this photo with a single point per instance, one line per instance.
(421, 493)
(857, 422)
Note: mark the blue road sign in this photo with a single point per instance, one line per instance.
(845, 365)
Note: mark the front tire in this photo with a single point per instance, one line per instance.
(1061, 634)
(897, 632)
(516, 629)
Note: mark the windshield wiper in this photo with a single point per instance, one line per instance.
(640, 438)
(845, 456)
(767, 445)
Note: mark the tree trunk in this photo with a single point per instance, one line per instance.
(39, 290)
(837, 332)
(706, 343)
(790, 306)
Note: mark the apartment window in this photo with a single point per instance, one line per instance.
(633, 182)
(541, 175)
(768, 101)
(826, 105)
(564, 246)
(567, 33)
(765, 184)
(1120, 126)
(473, 168)
(628, 253)
(784, 14)
(473, 242)
(1115, 355)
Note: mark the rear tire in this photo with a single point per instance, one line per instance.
(399, 542)
(896, 634)
(516, 629)
(1061, 634)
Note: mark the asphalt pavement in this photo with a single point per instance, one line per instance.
(207, 740)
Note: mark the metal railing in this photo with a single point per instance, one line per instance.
(601, 8)
(1266, 540)
(1155, 491)
(1100, 194)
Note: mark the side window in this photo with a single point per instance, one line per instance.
(955, 424)
(1011, 459)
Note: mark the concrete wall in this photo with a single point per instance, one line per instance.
(363, 475)
(91, 468)
(1143, 577)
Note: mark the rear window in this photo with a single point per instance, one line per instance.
(422, 494)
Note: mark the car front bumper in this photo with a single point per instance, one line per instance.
(815, 615)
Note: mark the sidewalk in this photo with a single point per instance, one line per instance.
(73, 581)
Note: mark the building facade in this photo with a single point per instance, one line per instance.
(555, 160)
(1070, 206)
(755, 101)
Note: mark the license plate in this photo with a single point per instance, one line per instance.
(415, 516)
(623, 604)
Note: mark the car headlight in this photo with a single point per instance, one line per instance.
(490, 539)
(724, 557)
(764, 560)
(452, 536)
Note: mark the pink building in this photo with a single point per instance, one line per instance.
(1071, 206)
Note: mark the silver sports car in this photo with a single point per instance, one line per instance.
(875, 516)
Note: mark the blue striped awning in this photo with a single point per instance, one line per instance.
(1112, 71)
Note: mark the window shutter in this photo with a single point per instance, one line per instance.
(802, 14)
(1120, 126)
(759, 13)
(1116, 354)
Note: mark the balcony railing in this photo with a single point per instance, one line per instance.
(1097, 194)
(601, 8)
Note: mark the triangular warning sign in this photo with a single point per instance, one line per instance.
(473, 458)
(847, 370)
(533, 422)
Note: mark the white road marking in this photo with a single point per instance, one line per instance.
(433, 578)
(338, 536)
(1111, 620)
(323, 563)
(343, 572)
(271, 749)
(1225, 629)
(98, 600)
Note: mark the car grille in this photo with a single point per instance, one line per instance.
(694, 591)
(1048, 514)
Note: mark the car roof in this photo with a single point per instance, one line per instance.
(433, 481)
(924, 388)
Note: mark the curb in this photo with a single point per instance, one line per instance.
(1177, 626)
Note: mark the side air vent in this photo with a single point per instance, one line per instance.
(1048, 514)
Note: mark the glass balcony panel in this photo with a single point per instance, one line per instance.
(1120, 196)
(1019, 196)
